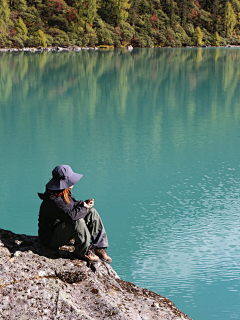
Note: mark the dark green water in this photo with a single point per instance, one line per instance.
(155, 133)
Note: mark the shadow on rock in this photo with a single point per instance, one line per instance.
(21, 242)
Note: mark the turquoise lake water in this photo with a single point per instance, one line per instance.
(155, 133)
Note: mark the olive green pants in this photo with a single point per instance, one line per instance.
(85, 231)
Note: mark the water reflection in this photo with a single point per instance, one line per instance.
(119, 81)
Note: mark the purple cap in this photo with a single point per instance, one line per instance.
(62, 178)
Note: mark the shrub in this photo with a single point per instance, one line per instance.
(2, 40)
(31, 41)
(59, 37)
(32, 20)
(21, 29)
(98, 23)
(207, 37)
(161, 38)
(189, 29)
(205, 19)
(40, 39)
(58, 22)
(170, 35)
(89, 37)
(49, 40)
(178, 43)
(79, 42)
(73, 38)
(127, 32)
(181, 37)
(37, 39)
(198, 36)
(20, 5)
(105, 35)
(142, 40)
(223, 41)
(17, 42)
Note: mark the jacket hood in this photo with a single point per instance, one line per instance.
(47, 195)
(43, 196)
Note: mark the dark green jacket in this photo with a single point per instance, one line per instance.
(53, 211)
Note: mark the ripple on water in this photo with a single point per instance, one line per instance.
(192, 242)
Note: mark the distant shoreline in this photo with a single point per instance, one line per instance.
(47, 49)
(78, 49)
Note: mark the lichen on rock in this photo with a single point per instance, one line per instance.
(37, 283)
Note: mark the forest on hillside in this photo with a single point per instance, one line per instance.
(140, 23)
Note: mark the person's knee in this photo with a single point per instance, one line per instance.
(93, 216)
(93, 212)
(79, 225)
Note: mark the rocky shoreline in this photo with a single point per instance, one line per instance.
(36, 283)
(47, 49)
(78, 49)
(58, 49)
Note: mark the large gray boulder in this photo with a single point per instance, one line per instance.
(36, 283)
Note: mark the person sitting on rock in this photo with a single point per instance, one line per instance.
(62, 218)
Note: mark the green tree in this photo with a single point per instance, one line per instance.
(40, 38)
(20, 5)
(4, 16)
(216, 39)
(32, 19)
(92, 11)
(21, 29)
(87, 11)
(114, 11)
(198, 36)
(184, 9)
(229, 19)
(236, 4)
(5, 22)
(215, 10)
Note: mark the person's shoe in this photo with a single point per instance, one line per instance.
(102, 254)
(89, 256)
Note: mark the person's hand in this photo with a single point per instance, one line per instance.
(88, 203)
(91, 203)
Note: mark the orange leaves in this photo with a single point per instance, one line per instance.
(72, 14)
(195, 14)
(154, 19)
(117, 30)
(58, 5)
(196, 3)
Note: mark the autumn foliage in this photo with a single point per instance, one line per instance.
(142, 23)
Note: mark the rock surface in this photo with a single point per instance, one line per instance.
(36, 283)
